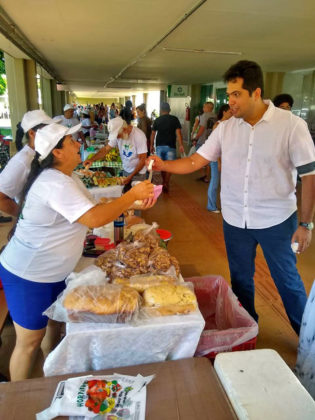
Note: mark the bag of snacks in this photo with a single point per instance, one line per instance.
(111, 397)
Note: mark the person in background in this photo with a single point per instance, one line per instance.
(144, 123)
(69, 120)
(126, 112)
(283, 101)
(224, 114)
(112, 111)
(132, 145)
(55, 213)
(86, 123)
(206, 122)
(195, 128)
(262, 149)
(14, 175)
(167, 130)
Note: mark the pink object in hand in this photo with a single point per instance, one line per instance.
(157, 191)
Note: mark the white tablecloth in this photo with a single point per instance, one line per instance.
(90, 346)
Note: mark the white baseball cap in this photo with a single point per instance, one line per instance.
(33, 118)
(47, 138)
(67, 106)
(114, 125)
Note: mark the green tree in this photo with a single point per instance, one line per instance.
(3, 82)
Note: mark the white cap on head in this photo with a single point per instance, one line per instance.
(33, 118)
(67, 107)
(114, 125)
(47, 138)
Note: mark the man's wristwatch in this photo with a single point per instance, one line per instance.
(308, 226)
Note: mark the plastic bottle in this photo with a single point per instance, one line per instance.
(119, 229)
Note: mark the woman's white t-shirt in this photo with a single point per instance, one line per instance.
(14, 175)
(48, 242)
(129, 149)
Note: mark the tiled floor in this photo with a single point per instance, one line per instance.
(198, 244)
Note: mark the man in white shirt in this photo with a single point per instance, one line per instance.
(69, 120)
(262, 149)
(132, 145)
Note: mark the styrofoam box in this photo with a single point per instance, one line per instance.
(261, 386)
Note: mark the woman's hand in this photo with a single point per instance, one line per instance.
(87, 163)
(143, 190)
(144, 204)
(158, 164)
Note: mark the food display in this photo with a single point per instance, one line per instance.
(143, 254)
(99, 178)
(169, 299)
(102, 303)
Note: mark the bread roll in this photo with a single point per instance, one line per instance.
(141, 283)
(170, 299)
(107, 299)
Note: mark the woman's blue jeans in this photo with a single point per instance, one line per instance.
(213, 186)
(241, 244)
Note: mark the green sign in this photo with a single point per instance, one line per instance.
(177, 91)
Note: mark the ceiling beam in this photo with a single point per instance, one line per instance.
(10, 30)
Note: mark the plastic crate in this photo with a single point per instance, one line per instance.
(228, 327)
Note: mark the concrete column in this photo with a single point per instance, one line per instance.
(133, 100)
(46, 95)
(31, 85)
(122, 100)
(16, 90)
(273, 84)
(145, 98)
(127, 98)
(56, 99)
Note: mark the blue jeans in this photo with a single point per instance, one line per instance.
(166, 152)
(213, 186)
(241, 244)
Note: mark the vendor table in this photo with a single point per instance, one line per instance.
(183, 389)
(103, 346)
(113, 191)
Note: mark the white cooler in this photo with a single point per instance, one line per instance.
(261, 386)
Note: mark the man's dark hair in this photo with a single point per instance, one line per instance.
(283, 97)
(251, 74)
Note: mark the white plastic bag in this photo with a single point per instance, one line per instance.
(90, 396)
(89, 297)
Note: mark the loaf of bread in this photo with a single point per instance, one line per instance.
(101, 303)
(169, 299)
(141, 283)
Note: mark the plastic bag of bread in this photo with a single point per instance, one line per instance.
(169, 299)
(143, 282)
(110, 303)
(89, 297)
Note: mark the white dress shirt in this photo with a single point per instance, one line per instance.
(258, 170)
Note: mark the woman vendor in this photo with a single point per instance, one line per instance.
(55, 211)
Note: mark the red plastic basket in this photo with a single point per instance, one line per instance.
(248, 345)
